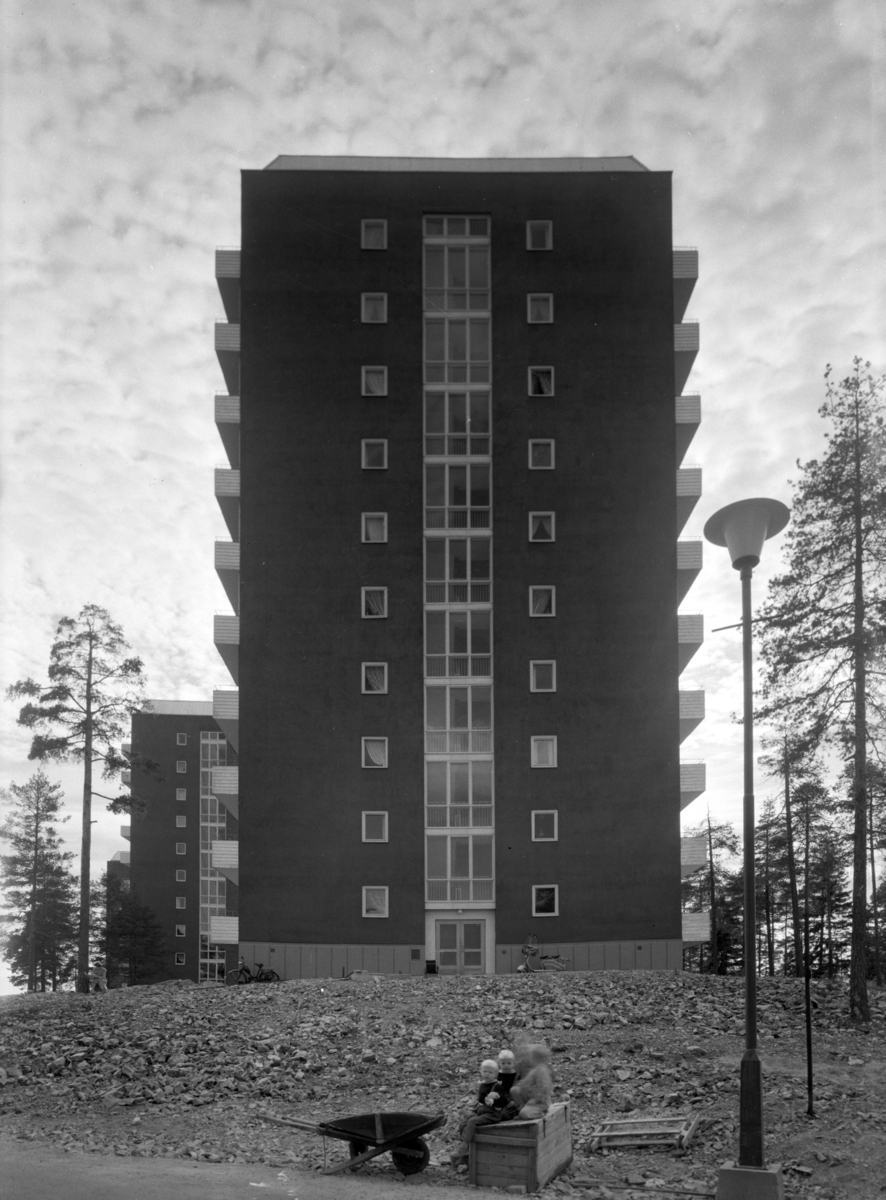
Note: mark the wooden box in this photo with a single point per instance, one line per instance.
(527, 1153)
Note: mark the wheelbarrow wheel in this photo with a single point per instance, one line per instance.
(411, 1157)
(355, 1149)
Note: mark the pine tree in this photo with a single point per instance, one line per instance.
(39, 890)
(722, 841)
(131, 940)
(824, 619)
(93, 689)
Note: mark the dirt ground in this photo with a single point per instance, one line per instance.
(192, 1074)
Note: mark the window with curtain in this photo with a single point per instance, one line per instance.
(375, 752)
(541, 527)
(375, 527)
(375, 602)
(375, 902)
(375, 677)
(539, 308)
(539, 235)
(541, 381)
(544, 751)
(375, 381)
(374, 454)
(374, 308)
(542, 601)
(545, 900)
(373, 234)
(543, 676)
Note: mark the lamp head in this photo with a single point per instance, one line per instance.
(744, 526)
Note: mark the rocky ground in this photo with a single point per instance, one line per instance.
(193, 1072)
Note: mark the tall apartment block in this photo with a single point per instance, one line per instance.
(182, 857)
(455, 425)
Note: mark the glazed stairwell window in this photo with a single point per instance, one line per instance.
(457, 423)
(456, 277)
(458, 643)
(458, 497)
(459, 867)
(458, 794)
(458, 570)
(457, 350)
(458, 719)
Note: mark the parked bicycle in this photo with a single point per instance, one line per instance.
(534, 960)
(260, 975)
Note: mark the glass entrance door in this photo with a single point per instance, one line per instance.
(460, 947)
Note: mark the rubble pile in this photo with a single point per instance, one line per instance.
(181, 1070)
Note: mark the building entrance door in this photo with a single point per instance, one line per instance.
(460, 947)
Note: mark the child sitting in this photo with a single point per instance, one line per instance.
(487, 1110)
(531, 1095)
(507, 1074)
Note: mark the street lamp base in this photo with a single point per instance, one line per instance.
(750, 1183)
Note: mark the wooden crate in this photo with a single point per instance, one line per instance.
(527, 1153)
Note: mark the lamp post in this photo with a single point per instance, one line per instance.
(742, 528)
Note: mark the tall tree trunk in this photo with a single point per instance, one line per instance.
(86, 839)
(877, 967)
(32, 918)
(714, 965)
(767, 908)
(792, 865)
(859, 1009)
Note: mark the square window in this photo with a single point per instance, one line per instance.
(181, 876)
(373, 234)
(542, 601)
(375, 826)
(375, 752)
(181, 766)
(545, 900)
(179, 959)
(541, 527)
(543, 676)
(374, 602)
(544, 825)
(541, 381)
(181, 822)
(544, 751)
(375, 677)
(539, 235)
(181, 847)
(541, 454)
(540, 308)
(181, 739)
(375, 902)
(374, 308)
(374, 527)
(374, 454)
(181, 902)
(181, 793)
(374, 381)
(180, 931)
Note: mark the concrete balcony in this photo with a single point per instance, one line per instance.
(692, 782)
(227, 493)
(125, 831)
(226, 712)
(687, 416)
(227, 422)
(685, 278)
(693, 855)
(696, 928)
(688, 494)
(224, 931)
(686, 347)
(122, 856)
(226, 635)
(691, 712)
(126, 778)
(227, 276)
(226, 860)
(226, 788)
(227, 350)
(690, 635)
(690, 556)
(227, 566)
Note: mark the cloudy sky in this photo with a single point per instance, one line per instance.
(126, 126)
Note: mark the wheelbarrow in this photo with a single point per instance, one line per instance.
(372, 1134)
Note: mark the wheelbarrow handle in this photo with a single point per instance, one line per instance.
(310, 1126)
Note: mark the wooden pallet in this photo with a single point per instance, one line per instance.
(675, 1132)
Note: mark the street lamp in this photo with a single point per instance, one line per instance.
(742, 528)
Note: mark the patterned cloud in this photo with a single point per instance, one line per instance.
(127, 125)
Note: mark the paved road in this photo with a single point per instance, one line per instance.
(35, 1171)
